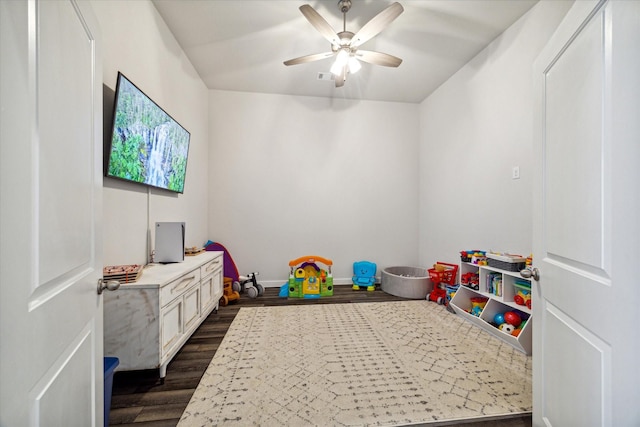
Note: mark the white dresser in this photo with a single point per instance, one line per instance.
(147, 322)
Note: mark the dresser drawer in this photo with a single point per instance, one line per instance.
(211, 266)
(176, 288)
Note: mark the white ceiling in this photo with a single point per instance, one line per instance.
(240, 45)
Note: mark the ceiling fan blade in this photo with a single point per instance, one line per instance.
(377, 24)
(309, 58)
(320, 24)
(378, 58)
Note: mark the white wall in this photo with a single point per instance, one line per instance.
(295, 176)
(473, 130)
(138, 43)
(276, 177)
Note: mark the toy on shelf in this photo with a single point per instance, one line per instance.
(471, 280)
(474, 257)
(239, 284)
(507, 328)
(364, 275)
(441, 274)
(523, 293)
(477, 305)
(307, 279)
(510, 322)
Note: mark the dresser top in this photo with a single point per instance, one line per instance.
(157, 275)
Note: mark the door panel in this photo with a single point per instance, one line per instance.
(206, 293)
(51, 359)
(582, 386)
(171, 325)
(573, 146)
(64, 165)
(69, 376)
(191, 308)
(585, 218)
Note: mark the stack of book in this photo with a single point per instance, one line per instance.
(493, 284)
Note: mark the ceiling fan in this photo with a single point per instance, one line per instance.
(345, 44)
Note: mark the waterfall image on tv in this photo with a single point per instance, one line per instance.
(147, 145)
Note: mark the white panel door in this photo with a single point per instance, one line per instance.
(586, 219)
(51, 361)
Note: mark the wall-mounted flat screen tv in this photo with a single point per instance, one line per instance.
(147, 145)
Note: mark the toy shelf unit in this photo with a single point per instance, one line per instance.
(500, 289)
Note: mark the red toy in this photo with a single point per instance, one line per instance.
(441, 274)
(512, 318)
(471, 280)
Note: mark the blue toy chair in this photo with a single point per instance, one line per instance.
(364, 275)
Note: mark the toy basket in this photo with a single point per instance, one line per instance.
(506, 262)
(447, 275)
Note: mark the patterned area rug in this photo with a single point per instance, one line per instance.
(366, 364)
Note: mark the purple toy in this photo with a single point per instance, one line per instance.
(230, 269)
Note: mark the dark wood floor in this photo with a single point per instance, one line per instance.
(140, 399)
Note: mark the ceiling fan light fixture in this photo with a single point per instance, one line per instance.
(335, 69)
(345, 44)
(354, 65)
(341, 61)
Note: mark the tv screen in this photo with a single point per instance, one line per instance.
(147, 145)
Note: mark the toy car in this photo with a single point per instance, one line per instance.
(523, 297)
(470, 280)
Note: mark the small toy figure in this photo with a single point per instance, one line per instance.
(364, 275)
